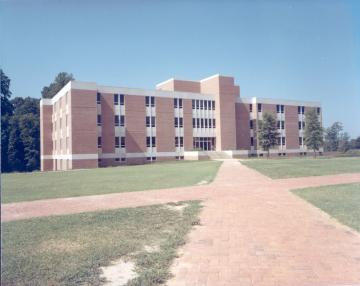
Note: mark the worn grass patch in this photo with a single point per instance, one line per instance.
(71, 249)
(47, 185)
(340, 201)
(303, 167)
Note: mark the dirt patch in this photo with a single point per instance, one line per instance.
(203, 182)
(59, 246)
(175, 207)
(118, 273)
(152, 248)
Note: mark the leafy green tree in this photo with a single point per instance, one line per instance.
(6, 107)
(332, 135)
(267, 132)
(16, 148)
(59, 82)
(344, 142)
(314, 137)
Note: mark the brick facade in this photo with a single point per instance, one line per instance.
(85, 125)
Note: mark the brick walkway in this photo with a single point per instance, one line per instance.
(253, 232)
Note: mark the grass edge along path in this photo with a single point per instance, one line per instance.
(20, 187)
(341, 202)
(303, 167)
(70, 249)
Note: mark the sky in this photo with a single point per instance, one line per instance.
(301, 50)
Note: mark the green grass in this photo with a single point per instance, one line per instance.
(303, 167)
(35, 186)
(340, 201)
(68, 250)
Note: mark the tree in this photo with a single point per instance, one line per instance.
(355, 143)
(6, 107)
(267, 132)
(314, 138)
(59, 82)
(332, 136)
(344, 142)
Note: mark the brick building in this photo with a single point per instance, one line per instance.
(88, 125)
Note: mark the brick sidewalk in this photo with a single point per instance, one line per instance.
(253, 232)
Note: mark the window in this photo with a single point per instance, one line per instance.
(194, 122)
(197, 104)
(122, 142)
(250, 107)
(318, 110)
(283, 140)
(179, 141)
(150, 121)
(213, 105)
(300, 141)
(303, 125)
(251, 124)
(117, 120)
(193, 104)
(301, 109)
(176, 122)
(122, 99)
(300, 125)
(123, 159)
(117, 159)
(280, 108)
(197, 123)
(122, 120)
(117, 142)
(150, 101)
(175, 102)
(202, 122)
(150, 141)
(214, 125)
(181, 122)
(278, 124)
(251, 141)
(99, 142)
(99, 120)
(151, 158)
(98, 99)
(205, 105)
(206, 123)
(210, 123)
(281, 124)
(116, 99)
(201, 104)
(259, 107)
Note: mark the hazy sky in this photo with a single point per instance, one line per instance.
(305, 50)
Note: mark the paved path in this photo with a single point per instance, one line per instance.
(253, 231)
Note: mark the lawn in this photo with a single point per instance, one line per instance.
(46, 185)
(303, 167)
(70, 249)
(340, 201)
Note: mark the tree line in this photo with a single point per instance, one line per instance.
(20, 128)
(20, 125)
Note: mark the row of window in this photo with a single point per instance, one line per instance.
(119, 142)
(203, 123)
(279, 141)
(204, 143)
(280, 108)
(150, 101)
(203, 104)
(178, 122)
(123, 159)
(281, 124)
(178, 103)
